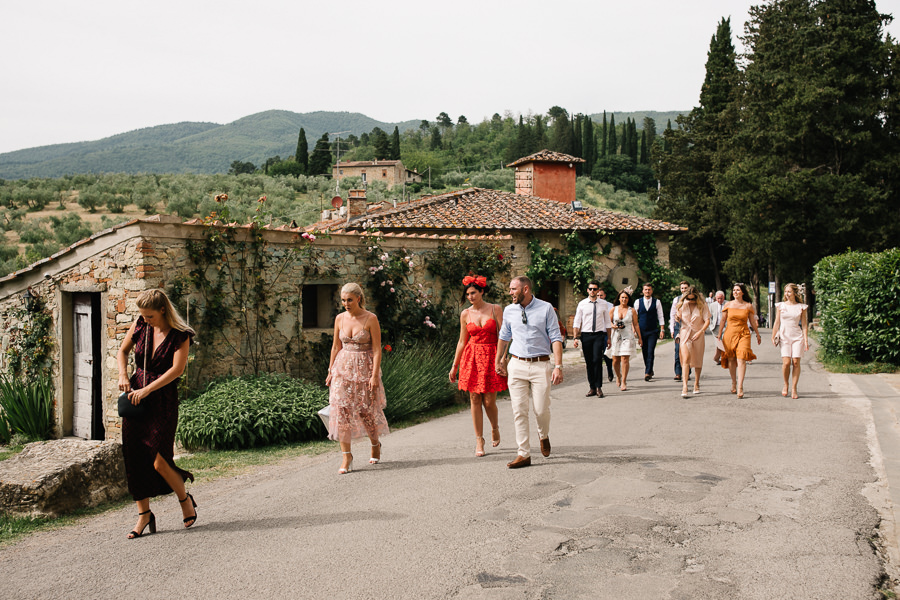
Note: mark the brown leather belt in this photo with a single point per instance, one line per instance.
(535, 359)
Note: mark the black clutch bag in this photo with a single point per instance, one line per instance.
(126, 408)
(129, 410)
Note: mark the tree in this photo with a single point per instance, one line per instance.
(320, 161)
(436, 142)
(395, 144)
(561, 136)
(381, 144)
(603, 136)
(462, 120)
(444, 121)
(611, 142)
(588, 145)
(301, 156)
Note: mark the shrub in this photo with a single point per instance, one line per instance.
(415, 379)
(25, 405)
(856, 294)
(252, 411)
(5, 433)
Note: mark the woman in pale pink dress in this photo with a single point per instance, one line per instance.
(790, 331)
(693, 314)
(356, 398)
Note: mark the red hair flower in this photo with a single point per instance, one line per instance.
(479, 280)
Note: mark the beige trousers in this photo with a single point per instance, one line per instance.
(529, 384)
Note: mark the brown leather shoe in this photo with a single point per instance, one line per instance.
(545, 446)
(599, 393)
(521, 461)
(591, 392)
(647, 377)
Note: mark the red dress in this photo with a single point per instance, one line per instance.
(476, 366)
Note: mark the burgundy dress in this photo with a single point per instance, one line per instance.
(144, 438)
(476, 365)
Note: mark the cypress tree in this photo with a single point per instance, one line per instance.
(320, 162)
(539, 138)
(588, 145)
(633, 142)
(301, 156)
(645, 160)
(395, 144)
(603, 137)
(612, 144)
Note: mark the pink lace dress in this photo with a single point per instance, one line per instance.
(355, 410)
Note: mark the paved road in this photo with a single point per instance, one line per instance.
(646, 495)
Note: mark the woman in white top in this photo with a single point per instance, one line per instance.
(625, 332)
(790, 331)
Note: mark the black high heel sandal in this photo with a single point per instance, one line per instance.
(188, 521)
(151, 523)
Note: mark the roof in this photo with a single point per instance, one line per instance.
(368, 163)
(547, 156)
(492, 210)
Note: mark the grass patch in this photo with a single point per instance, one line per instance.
(845, 365)
(12, 528)
(10, 451)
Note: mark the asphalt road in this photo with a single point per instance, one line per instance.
(645, 495)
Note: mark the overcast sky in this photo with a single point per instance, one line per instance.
(76, 71)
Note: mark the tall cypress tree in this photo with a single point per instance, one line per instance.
(588, 145)
(645, 159)
(612, 145)
(320, 162)
(395, 144)
(603, 136)
(539, 138)
(301, 156)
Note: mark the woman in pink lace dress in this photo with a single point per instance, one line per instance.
(357, 398)
(474, 359)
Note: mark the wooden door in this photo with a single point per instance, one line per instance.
(82, 410)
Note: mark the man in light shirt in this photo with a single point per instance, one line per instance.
(715, 321)
(675, 327)
(530, 332)
(591, 326)
(650, 320)
(607, 359)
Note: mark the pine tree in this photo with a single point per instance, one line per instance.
(645, 159)
(395, 144)
(320, 162)
(588, 145)
(381, 144)
(301, 156)
(539, 137)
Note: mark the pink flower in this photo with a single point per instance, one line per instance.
(392, 289)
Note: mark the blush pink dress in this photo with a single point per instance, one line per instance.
(356, 411)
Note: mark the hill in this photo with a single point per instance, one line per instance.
(638, 117)
(188, 147)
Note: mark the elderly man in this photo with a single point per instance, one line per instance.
(591, 326)
(715, 321)
(530, 332)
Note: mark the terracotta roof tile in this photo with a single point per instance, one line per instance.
(492, 210)
(546, 156)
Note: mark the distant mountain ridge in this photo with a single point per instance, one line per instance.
(188, 147)
(192, 147)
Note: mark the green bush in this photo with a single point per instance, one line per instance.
(25, 405)
(5, 433)
(856, 296)
(252, 411)
(415, 379)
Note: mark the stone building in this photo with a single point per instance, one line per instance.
(391, 172)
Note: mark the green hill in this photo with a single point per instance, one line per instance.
(638, 117)
(188, 147)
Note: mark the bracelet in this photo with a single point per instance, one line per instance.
(557, 366)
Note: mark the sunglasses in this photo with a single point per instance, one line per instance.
(590, 289)
(691, 298)
(524, 317)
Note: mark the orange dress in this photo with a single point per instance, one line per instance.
(736, 338)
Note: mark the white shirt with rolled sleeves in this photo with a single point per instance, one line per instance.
(584, 316)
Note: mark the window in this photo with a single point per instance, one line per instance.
(364, 176)
(384, 172)
(320, 305)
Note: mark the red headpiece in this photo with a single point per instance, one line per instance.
(478, 280)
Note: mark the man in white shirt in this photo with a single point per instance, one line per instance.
(675, 327)
(715, 321)
(591, 326)
(607, 359)
(650, 318)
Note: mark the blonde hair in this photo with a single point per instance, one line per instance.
(158, 301)
(692, 290)
(798, 297)
(353, 288)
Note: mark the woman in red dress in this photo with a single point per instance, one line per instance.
(474, 359)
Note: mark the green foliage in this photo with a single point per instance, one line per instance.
(451, 262)
(663, 278)
(415, 379)
(856, 296)
(574, 262)
(252, 411)
(25, 405)
(31, 341)
(320, 161)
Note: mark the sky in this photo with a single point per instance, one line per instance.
(79, 71)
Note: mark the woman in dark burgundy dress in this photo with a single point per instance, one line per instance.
(474, 359)
(148, 443)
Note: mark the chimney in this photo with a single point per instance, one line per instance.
(356, 203)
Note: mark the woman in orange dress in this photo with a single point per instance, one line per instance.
(735, 336)
(693, 314)
(474, 359)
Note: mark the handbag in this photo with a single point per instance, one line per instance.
(126, 408)
(325, 415)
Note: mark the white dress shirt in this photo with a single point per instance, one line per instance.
(659, 311)
(584, 316)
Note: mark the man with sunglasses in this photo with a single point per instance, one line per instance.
(530, 332)
(591, 326)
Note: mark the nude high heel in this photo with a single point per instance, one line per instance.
(375, 459)
(495, 437)
(349, 468)
(479, 445)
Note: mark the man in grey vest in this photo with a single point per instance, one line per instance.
(650, 321)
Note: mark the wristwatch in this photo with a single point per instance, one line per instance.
(557, 366)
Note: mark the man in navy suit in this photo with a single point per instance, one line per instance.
(650, 321)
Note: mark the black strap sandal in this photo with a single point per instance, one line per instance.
(188, 521)
(151, 523)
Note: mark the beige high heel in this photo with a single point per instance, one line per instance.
(479, 441)
(495, 437)
(374, 460)
(349, 468)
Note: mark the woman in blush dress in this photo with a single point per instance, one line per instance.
(356, 396)
(474, 359)
(790, 331)
(693, 314)
(737, 351)
(625, 338)
(148, 442)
